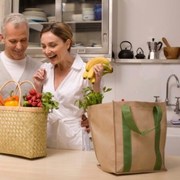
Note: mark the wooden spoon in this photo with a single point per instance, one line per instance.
(166, 42)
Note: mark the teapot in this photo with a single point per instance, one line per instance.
(127, 52)
(154, 48)
(140, 53)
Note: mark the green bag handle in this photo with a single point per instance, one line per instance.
(130, 125)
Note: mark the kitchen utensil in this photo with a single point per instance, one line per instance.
(171, 52)
(126, 53)
(140, 53)
(166, 42)
(154, 49)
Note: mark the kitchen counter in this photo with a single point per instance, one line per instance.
(73, 165)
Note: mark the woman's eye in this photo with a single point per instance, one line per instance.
(52, 45)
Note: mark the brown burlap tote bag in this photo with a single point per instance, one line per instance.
(129, 137)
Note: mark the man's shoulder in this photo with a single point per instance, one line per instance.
(34, 61)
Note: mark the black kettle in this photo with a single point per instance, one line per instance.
(127, 52)
(140, 53)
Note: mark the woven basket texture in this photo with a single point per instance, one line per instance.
(23, 131)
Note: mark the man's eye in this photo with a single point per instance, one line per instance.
(13, 42)
(24, 40)
(43, 46)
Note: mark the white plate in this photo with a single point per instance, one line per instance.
(35, 13)
(36, 18)
(33, 9)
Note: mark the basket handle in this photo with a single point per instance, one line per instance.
(27, 81)
(17, 87)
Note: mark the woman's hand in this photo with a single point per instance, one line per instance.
(85, 123)
(39, 78)
(98, 70)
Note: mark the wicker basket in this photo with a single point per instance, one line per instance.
(22, 129)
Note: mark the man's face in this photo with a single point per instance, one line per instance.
(16, 40)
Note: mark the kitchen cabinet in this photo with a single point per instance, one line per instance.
(90, 20)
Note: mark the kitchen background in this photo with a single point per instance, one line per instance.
(138, 21)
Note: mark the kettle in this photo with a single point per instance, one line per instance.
(154, 49)
(140, 53)
(127, 52)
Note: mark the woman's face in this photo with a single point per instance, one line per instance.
(54, 48)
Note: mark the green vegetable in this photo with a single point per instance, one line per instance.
(90, 97)
(48, 103)
(44, 100)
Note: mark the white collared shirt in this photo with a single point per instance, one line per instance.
(64, 124)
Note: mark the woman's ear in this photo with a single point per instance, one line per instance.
(68, 44)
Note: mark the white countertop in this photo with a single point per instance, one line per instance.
(73, 165)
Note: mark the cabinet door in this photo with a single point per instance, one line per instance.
(90, 21)
(6, 4)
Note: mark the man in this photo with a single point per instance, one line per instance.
(14, 63)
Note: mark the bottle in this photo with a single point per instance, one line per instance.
(97, 12)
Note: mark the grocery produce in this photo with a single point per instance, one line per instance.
(90, 97)
(44, 100)
(89, 72)
(96, 60)
(1, 101)
(11, 100)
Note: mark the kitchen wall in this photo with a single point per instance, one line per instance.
(142, 82)
(138, 21)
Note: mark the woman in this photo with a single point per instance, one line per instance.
(63, 77)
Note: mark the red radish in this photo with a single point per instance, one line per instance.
(32, 92)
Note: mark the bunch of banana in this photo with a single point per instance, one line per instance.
(89, 72)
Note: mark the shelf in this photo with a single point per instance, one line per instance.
(169, 124)
(83, 22)
(147, 61)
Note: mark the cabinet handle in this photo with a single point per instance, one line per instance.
(81, 50)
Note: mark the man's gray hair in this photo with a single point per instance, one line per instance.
(14, 18)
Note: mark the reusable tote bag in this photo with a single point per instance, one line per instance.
(129, 137)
